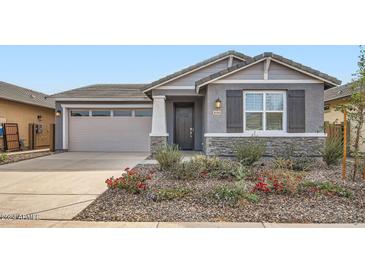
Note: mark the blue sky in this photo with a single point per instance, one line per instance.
(51, 69)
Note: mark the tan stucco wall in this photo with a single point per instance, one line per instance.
(23, 115)
(332, 116)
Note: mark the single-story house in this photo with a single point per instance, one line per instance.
(210, 106)
(334, 97)
(24, 106)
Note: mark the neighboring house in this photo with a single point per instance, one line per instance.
(24, 106)
(338, 96)
(210, 106)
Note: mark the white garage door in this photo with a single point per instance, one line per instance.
(110, 130)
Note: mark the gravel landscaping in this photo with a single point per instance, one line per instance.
(12, 158)
(171, 200)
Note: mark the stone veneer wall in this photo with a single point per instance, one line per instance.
(224, 146)
(157, 141)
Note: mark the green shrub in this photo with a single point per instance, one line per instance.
(332, 151)
(327, 188)
(249, 153)
(203, 167)
(188, 170)
(3, 157)
(240, 173)
(288, 159)
(168, 156)
(168, 194)
(283, 163)
(302, 163)
(231, 195)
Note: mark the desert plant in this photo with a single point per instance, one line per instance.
(231, 195)
(188, 170)
(168, 194)
(3, 157)
(131, 181)
(302, 163)
(289, 159)
(168, 156)
(283, 163)
(332, 151)
(326, 188)
(250, 152)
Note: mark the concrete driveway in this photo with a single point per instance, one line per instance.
(59, 186)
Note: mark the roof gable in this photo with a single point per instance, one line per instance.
(196, 67)
(283, 63)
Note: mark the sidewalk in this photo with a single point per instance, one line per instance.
(79, 224)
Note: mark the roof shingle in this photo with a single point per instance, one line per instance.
(104, 91)
(340, 92)
(197, 65)
(19, 94)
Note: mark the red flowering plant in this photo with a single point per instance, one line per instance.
(131, 181)
(274, 182)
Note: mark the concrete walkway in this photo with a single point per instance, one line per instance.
(59, 186)
(78, 224)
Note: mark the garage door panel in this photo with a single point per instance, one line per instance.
(109, 133)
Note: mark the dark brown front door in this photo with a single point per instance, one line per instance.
(184, 129)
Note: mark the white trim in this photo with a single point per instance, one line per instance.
(159, 134)
(125, 99)
(289, 81)
(176, 87)
(107, 106)
(264, 111)
(189, 72)
(64, 128)
(159, 97)
(266, 69)
(266, 134)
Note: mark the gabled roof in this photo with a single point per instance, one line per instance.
(340, 92)
(189, 69)
(23, 95)
(332, 81)
(104, 91)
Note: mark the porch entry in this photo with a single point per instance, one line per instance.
(184, 125)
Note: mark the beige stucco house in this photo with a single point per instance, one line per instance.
(338, 96)
(24, 106)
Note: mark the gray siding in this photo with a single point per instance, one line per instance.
(279, 72)
(255, 72)
(190, 79)
(313, 103)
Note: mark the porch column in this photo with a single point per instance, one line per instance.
(159, 117)
(158, 135)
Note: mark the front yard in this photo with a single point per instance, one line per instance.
(219, 190)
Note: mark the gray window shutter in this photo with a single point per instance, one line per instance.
(296, 110)
(234, 110)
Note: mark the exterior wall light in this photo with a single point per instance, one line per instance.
(218, 104)
(58, 113)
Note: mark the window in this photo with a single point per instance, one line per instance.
(100, 113)
(264, 111)
(79, 113)
(143, 112)
(123, 113)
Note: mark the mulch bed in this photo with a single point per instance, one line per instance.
(25, 156)
(198, 206)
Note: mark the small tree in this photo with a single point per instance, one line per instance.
(356, 107)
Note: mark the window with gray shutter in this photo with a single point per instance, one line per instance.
(234, 111)
(296, 110)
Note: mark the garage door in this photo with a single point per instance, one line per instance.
(110, 130)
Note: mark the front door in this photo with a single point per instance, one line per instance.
(184, 129)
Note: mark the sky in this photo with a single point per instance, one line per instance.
(52, 69)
